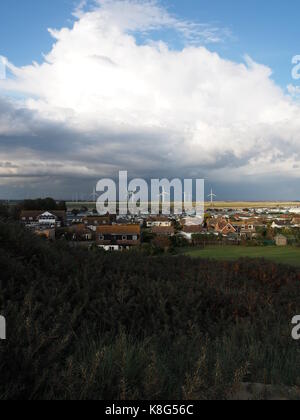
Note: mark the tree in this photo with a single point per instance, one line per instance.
(4, 211)
(43, 204)
(179, 241)
(147, 237)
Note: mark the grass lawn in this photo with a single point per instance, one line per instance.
(284, 255)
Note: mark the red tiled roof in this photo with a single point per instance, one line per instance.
(163, 230)
(158, 219)
(192, 229)
(119, 230)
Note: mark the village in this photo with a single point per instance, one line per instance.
(246, 227)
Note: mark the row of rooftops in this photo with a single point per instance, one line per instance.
(35, 214)
(105, 229)
(156, 221)
(32, 215)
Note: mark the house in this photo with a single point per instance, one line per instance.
(279, 224)
(188, 231)
(224, 227)
(228, 229)
(36, 218)
(94, 221)
(194, 230)
(246, 228)
(295, 210)
(160, 221)
(73, 219)
(211, 224)
(163, 230)
(118, 237)
(296, 221)
(80, 233)
(191, 221)
(46, 233)
(281, 240)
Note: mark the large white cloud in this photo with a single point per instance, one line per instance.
(116, 102)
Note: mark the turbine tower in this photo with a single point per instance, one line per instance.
(212, 196)
(163, 194)
(94, 195)
(130, 195)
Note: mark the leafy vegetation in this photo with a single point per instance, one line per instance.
(92, 325)
(46, 204)
(12, 212)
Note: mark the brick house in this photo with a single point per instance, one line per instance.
(224, 227)
(280, 224)
(188, 231)
(80, 232)
(94, 221)
(163, 230)
(118, 237)
(246, 228)
(55, 218)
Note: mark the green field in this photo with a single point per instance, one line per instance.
(284, 255)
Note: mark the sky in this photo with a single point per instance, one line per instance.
(160, 88)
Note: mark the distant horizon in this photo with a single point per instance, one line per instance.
(216, 202)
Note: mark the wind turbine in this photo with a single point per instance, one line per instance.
(130, 196)
(212, 196)
(94, 195)
(163, 194)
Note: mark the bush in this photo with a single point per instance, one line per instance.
(93, 325)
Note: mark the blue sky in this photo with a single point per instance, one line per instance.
(268, 31)
(23, 27)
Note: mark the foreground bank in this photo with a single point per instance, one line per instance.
(88, 324)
